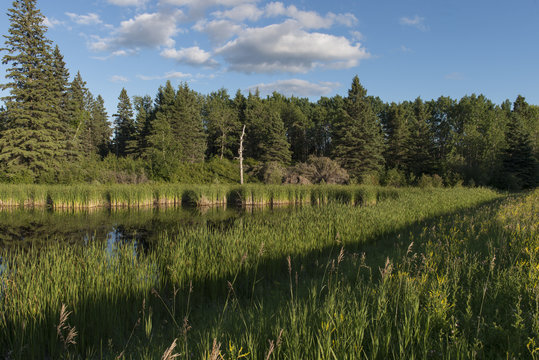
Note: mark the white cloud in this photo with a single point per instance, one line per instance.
(148, 30)
(88, 19)
(218, 30)
(296, 87)
(198, 7)
(194, 56)
(406, 49)
(119, 79)
(168, 75)
(137, 3)
(51, 22)
(287, 47)
(417, 22)
(309, 19)
(455, 76)
(241, 13)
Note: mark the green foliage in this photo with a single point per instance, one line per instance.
(358, 141)
(32, 143)
(124, 125)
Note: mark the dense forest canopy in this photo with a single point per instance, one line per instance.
(55, 130)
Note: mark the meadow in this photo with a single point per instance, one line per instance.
(353, 273)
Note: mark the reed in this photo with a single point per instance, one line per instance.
(405, 277)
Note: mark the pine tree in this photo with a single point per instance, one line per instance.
(124, 125)
(32, 146)
(144, 108)
(188, 126)
(222, 123)
(77, 112)
(265, 132)
(99, 128)
(520, 169)
(396, 124)
(358, 140)
(421, 147)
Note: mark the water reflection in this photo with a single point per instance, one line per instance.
(140, 227)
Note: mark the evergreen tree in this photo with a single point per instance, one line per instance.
(32, 145)
(78, 112)
(99, 128)
(222, 123)
(188, 126)
(520, 168)
(421, 147)
(358, 140)
(124, 125)
(396, 121)
(265, 133)
(144, 108)
(60, 86)
(163, 152)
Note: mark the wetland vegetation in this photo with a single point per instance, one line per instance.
(427, 273)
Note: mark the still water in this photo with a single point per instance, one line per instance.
(141, 226)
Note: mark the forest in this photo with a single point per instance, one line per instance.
(54, 130)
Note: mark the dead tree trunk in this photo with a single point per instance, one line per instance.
(240, 154)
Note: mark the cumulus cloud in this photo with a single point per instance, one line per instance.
(88, 19)
(198, 7)
(51, 22)
(240, 13)
(148, 30)
(194, 56)
(309, 19)
(417, 22)
(169, 75)
(296, 87)
(287, 47)
(218, 30)
(137, 3)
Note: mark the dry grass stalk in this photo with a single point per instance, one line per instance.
(215, 351)
(63, 326)
(169, 353)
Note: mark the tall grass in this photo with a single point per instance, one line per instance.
(437, 273)
(76, 197)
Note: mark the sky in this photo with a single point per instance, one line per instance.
(400, 49)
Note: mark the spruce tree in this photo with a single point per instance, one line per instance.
(188, 126)
(396, 124)
(520, 168)
(222, 123)
(124, 125)
(99, 128)
(358, 139)
(144, 111)
(265, 132)
(32, 146)
(421, 147)
(162, 153)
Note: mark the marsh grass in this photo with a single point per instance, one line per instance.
(434, 273)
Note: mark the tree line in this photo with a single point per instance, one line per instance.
(50, 127)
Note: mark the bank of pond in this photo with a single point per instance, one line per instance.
(141, 195)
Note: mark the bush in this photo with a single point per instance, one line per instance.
(394, 177)
(317, 170)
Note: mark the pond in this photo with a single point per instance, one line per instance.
(142, 226)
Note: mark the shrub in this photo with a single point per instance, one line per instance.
(317, 170)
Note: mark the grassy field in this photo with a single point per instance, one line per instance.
(423, 274)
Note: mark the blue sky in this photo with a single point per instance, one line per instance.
(399, 49)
